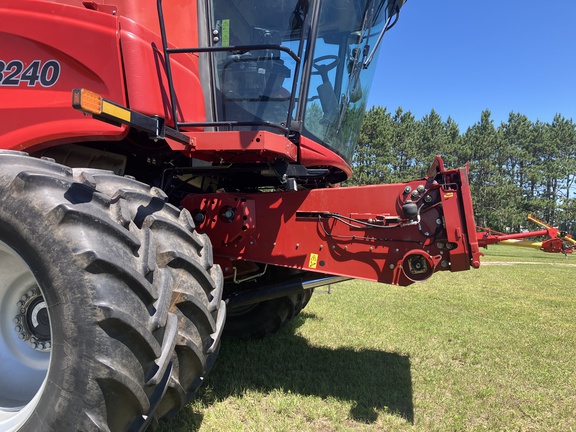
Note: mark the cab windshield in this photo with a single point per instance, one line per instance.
(296, 65)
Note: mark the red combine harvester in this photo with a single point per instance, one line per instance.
(167, 168)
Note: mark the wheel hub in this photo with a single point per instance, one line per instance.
(32, 323)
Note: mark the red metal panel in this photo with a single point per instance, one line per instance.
(59, 47)
(238, 146)
(313, 154)
(468, 216)
(359, 232)
(145, 71)
(180, 16)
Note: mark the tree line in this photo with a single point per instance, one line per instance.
(516, 168)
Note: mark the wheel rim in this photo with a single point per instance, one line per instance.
(25, 340)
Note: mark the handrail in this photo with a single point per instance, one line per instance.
(168, 67)
(242, 48)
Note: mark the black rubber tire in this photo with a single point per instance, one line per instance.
(133, 298)
(265, 318)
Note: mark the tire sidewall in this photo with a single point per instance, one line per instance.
(68, 376)
(95, 256)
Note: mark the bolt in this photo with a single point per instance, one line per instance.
(440, 245)
(229, 214)
(407, 189)
(371, 248)
(421, 188)
(428, 198)
(415, 194)
(18, 328)
(20, 304)
(438, 221)
(21, 336)
(444, 263)
(48, 345)
(391, 266)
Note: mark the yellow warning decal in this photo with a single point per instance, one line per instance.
(226, 32)
(449, 195)
(313, 261)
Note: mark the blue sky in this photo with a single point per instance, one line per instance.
(463, 56)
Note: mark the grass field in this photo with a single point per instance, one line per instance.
(488, 349)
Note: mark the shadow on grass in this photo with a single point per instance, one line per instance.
(371, 380)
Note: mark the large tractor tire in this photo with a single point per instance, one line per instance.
(264, 318)
(110, 306)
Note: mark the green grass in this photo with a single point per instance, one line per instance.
(487, 349)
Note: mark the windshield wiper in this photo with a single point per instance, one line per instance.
(394, 11)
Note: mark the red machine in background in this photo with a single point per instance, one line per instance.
(557, 241)
(169, 168)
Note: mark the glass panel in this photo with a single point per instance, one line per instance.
(341, 77)
(256, 81)
(256, 85)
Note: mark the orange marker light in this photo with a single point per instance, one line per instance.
(87, 101)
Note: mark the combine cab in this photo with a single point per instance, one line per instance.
(167, 167)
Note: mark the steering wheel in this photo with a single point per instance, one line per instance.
(323, 69)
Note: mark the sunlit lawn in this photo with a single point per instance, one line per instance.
(488, 349)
